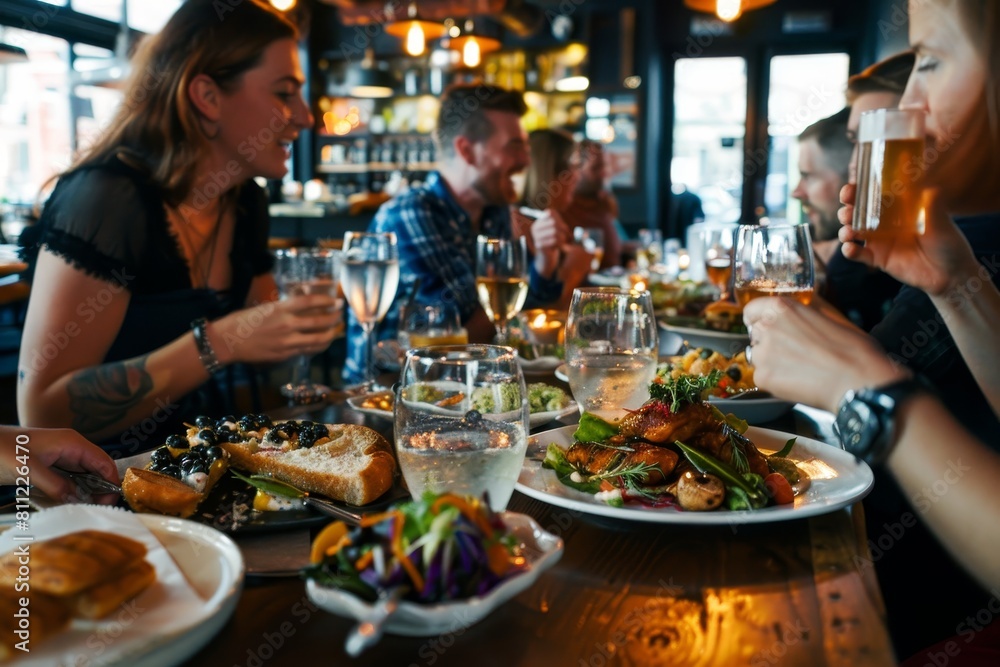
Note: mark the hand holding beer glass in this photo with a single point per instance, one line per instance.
(774, 260)
(890, 170)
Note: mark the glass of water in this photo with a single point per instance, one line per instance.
(611, 347)
(461, 421)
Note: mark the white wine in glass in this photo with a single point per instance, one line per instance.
(501, 280)
(370, 276)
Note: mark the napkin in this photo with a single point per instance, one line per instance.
(153, 618)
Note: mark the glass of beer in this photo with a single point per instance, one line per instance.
(890, 171)
(425, 325)
(773, 260)
(501, 280)
(719, 258)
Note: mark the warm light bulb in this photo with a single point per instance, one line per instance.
(415, 40)
(471, 53)
(282, 5)
(728, 10)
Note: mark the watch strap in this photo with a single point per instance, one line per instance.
(881, 404)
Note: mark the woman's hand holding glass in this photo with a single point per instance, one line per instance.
(461, 421)
(936, 261)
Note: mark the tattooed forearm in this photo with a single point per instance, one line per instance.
(101, 396)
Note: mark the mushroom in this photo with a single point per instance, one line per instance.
(699, 492)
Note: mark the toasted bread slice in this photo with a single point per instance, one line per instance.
(148, 491)
(100, 600)
(356, 465)
(70, 563)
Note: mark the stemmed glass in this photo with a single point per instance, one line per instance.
(501, 280)
(719, 258)
(300, 271)
(773, 260)
(650, 248)
(611, 347)
(472, 439)
(592, 241)
(370, 276)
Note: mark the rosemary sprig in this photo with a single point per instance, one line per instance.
(684, 389)
(629, 474)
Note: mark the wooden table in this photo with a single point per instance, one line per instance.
(624, 593)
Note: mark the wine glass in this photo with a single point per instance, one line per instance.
(611, 348)
(592, 241)
(423, 325)
(300, 271)
(719, 258)
(650, 248)
(501, 280)
(461, 421)
(370, 276)
(773, 260)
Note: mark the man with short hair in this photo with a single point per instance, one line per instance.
(824, 157)
(481, 146)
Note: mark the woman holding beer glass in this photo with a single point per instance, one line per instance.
(801, 353)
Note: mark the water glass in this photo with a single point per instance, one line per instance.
(611, 348)
(461, 421)
(300, 271)
(773, 260)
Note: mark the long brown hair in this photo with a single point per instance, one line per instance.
(156, 124)
(551, 157)
(981, 20)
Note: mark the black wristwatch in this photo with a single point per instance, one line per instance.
(866, 421)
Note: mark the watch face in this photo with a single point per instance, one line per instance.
(857, 426)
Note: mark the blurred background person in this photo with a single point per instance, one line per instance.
(150, 257)
(593, 206)
(549, 184)
(482, 148)
(824, 158)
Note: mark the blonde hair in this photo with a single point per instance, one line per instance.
(156, 125)
(551, 156)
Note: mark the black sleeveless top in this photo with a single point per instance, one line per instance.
(108, 220)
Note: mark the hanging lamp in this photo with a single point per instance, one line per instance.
(727, 10)
(473, 46)
(415, 32)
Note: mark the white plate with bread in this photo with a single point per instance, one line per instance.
(154, 597)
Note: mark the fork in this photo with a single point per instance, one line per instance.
(90, 483)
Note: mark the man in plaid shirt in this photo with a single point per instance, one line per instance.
(481, 146)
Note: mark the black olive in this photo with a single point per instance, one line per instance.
(247, 423)
(706, 353)
(734, 372)
(208, 437)
(172, 470)
(177, 442)
(214, 453)
(264, 420)
(228, 418)
(234, 437)
(204, 422)
(161, 456)
(473, 416)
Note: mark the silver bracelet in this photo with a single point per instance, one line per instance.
(206, 354)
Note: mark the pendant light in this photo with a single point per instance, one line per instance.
(472, 46)
(415, 32)
(369, 81)
(727, 10)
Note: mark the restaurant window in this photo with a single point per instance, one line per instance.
(143, 15)
(803, 89)
(35, 138)
(93, 107)
(710, 109)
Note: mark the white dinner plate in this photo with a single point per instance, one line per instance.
(211, 565)
(720, 341)
(535, 419)
(838, 480)
(753, 410)
(542, 550)
(539, 365)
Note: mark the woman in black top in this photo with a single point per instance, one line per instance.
(150, 261)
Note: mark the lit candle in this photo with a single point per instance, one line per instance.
(544, 328)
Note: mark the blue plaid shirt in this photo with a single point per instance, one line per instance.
(437, 245)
